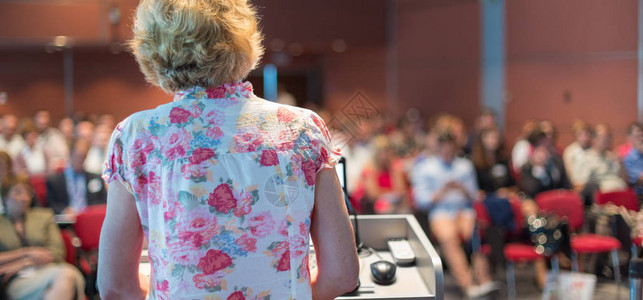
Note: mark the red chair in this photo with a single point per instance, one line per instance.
(39, 184)
(88, 227)
(627, 199)
(513, 252)
(70, 249)
(568, 204)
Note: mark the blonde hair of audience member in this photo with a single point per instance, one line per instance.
(381, 164)
(170, 46)
(6, 165)
(602, 139)
(582, 133)
(445, 123)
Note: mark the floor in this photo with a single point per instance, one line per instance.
(528, 290)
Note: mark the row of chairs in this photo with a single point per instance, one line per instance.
(568, 205)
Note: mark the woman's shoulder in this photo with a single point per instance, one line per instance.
(42, 213)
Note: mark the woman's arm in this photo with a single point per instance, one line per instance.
(332, 233)
(121, 242)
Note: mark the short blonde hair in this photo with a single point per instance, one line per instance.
(184, 43)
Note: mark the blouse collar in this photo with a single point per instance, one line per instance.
(240, 89)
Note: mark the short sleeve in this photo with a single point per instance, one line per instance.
(328, 153)
(113, 168)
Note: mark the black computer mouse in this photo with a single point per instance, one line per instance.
(383, 272)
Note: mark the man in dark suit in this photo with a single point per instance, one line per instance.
(73, 189)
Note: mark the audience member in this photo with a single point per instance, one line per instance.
(32, 249)
(633, 164)
(634, 130)
(445, 186)
(32, 159)
(380, 193)
(573, 154)
(496, 186)
(10, 141)
(67, 128)
(85, 131)
(544, 170)
(52, 140)
(486, 120)
(98, 151)
(522, 148)
(600, 169)
(73, 189)
(551, 135)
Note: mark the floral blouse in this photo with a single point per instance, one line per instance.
(224, 185)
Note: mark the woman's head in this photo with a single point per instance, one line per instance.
(184, 43)
(381, 152)
(17, 193)
(488, 148)
(29, 132)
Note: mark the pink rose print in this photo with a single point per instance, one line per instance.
(244, 206)
(163, 287)
(286, 139)
(284, 115)
(261, 225)
(117, 156)
(214, 260)
(179, 115)
(195, 239)
(283, 228)
(196, 110)
(177, 143)
(238, 295)
(217, 92)
(222, 198)
(214, 133)
(284, 262)
(202, 281)
(190, 171)
(200, 155)
(139, 151)
(323, 157)
(151, 182)
(247, 140)
(215, 118)
(310, 171)
(247, 243)
(269, 158)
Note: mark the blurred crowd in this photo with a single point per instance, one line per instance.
(437, 169)
(61, 160)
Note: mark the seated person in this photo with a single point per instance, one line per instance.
(633, 164)
(544, 170)
(32, 249)
(445, 186)
(634, 130)
(600, 169)
(73, 189)
(573, 154)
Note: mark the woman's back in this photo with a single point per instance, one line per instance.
(224, 185)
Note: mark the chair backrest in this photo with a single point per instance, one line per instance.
(565, 204)
(88, 226)
(626, 199)
(70, 250)
(39, 184)
(482, 215)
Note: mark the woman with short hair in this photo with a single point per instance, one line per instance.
(225, 186)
